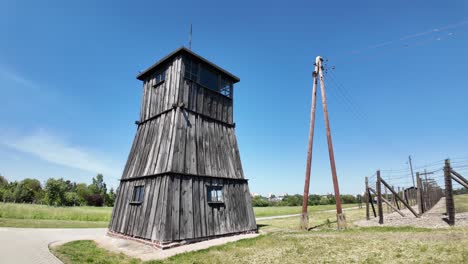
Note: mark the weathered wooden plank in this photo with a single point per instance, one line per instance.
(175, 207)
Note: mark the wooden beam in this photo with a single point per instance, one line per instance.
(449, 203)
(399, 198)
(367, 199)
(459, 181)
(379, 198)
(371, 201)
(390, 204)
(460, 178)
(420, 194)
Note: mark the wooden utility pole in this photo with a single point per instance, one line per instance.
(305, 198)
(341, 219)
(366, 195)
(411, 168)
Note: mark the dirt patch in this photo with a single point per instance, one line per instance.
(433, 218)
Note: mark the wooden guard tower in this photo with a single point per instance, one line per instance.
(183, 180)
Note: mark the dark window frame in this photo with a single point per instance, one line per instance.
(215, 194)
(195, 76)
(160, 77)
(138, 194)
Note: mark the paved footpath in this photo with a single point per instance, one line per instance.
(31, 245)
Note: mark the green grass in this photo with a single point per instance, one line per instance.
(461, 203)
(282, 242)
(34, 215)
(36, 211)
(87, 252)
(286, 210)
(43, 216)
(34, 223)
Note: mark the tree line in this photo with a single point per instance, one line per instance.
(57, 192)
(296, 200)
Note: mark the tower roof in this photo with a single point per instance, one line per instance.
(182, 50)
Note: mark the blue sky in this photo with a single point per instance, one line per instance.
(69, 97)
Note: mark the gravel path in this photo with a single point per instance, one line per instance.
(433, 218)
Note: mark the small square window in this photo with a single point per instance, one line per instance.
(138, 194)
(159, 77)
(215, 194)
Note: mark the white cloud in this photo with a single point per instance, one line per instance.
(15, 77)
(55, 150)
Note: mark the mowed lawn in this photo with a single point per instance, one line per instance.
(281, 241)
(43, 216)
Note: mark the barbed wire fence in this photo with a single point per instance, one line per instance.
(392, 190)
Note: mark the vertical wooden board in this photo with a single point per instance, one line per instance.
(172, 140)
(143, 101)
(196, 207)
(200, 146)
(149, 93)
(146, 209)
(153, 145)
(215, 162)
(161, 215)
(141, 151)
(165, 143)
(179, 80)
(132, 153)
(116, 215)
(169, 84)
(219, 110)
(230, 114)
(134, 166)
(163, 123)
(199, 92)
(235, 201)
(241, 207)
(143, 226)
(126, 205)
(176, 207)
(146, 148)
(214, 108)
(167, 210)
(186, 209)
(208, 212)
(222, 150)
(248, 207)
(202, 200)
(225, 110)
(228, 206)
(128, 209)
(229, 153)
(191, 149)
(175, 146)
(152, 222)
(240, 171)
(182, 140)
(122, 207)
(206, 147)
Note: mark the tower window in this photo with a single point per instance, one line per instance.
(226, 87)
(208, 79)
(215, 194)
(138, 194)
(191, 70)
(159, 77)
